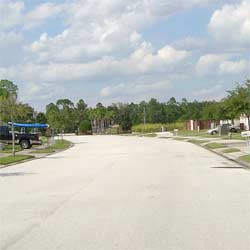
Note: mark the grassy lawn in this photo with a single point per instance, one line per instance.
(203, 133)
(215, 145)
(231, 150)
(180, 138)
(245, 158)
(8, 149)
(197, 141)
(150, 135)
(191, 133)
(11, 159)
(60, 144)
(43, 151)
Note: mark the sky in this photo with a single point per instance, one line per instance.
(113, 51)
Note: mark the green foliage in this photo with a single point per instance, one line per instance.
(41, 118)
(64, 115)
(150, 128)
(85, 126)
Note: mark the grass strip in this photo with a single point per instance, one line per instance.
(215, 145)
(12, 159)
(198, 141)
(60, 145)
(150, 135)
(43, 151)
(230, 150)
(245, 158)
(8, 149)
(180, 138)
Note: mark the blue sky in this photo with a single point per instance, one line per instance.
(123, 51)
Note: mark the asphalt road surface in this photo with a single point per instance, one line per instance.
(125, 193)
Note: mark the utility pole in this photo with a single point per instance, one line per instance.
(13, 138)
(144, 120)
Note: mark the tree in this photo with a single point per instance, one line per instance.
(238, 100)
(41, 118)
(8, 89)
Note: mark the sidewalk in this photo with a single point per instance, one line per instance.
(234, 144)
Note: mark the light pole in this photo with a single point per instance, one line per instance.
(144, 120)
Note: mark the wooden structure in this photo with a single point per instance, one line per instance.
(201, 124)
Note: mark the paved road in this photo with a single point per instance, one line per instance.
(117, 193)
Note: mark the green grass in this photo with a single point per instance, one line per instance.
(180, 138)
(192, 133)
(245, 158)
(215, 145)
(230, 150)
(197, 141)
(150, 135)
(203, 133)
(8, 149)
(43, 151)
(12, 159)
(156, 127)
(60, 145)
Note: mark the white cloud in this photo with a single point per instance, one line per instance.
(10, 14)
(211, 64)
(236, 67)
(40, 14)
(13, 14)
(208, 64)
(230, 25)
(144, 60)
(135, 91)
(207, 91)
(214, 92)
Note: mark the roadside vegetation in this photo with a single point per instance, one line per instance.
(215, 145)
(8, 149)
(197, 141)
(245, 158)
(13, 159)
(56, 146)
(69, 117)
(230, 150)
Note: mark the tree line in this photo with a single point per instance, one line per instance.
(65, 115)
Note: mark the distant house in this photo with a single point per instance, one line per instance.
(201, 124)
(192, 125)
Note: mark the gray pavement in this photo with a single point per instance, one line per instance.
(116, 193)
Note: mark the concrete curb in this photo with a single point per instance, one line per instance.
(242, 163)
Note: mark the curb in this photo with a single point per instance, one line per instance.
(242, 163)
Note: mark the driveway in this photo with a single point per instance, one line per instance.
(121, 192)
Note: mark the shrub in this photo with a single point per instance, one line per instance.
(85, 126)
(157, 127)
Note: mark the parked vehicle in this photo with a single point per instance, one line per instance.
(231, 128)
(25, 140)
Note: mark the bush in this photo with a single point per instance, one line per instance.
(157, 127)
(85, 126)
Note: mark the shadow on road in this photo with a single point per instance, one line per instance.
(14, 174)
(229, 167)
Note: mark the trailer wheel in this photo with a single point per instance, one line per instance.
(25, 144)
